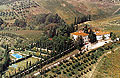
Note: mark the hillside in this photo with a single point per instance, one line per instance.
(109, 63)
(66, 9)
(97, 8)
(110, 24)
(69, 9)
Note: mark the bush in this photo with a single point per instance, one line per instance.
(45, 75)
(64, 72)
(70, 74)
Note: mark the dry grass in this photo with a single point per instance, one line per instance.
(109, 67)
(30, 34)
(106, 25)
(103, 22)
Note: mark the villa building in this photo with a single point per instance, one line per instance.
(75, 35)
(99, 35)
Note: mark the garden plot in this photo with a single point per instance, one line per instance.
(20, 65)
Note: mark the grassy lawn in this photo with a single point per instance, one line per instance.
(26, 52)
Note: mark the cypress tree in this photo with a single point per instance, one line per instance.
(92, 36)
(80, 42)
(85, 29)
(75, 21)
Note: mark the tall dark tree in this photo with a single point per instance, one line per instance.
(80, 42)
(103, 37)
(111, 33)
(85, 29)
(78, 20)
(1, 21)
(27, 64)
(75, 21)
(89, 17)
(20, 23)
(113, 36)
(7, 57)
(92, 36)
(76, 27)
(52, 32)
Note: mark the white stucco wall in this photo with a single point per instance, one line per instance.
(99, 37)
(75, 37)
(85, 39)
(107, 36)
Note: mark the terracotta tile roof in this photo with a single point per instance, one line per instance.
(101, 33)
(79, 33)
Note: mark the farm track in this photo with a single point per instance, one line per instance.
(116, 11)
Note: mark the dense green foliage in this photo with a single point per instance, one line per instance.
(92, 36)
(46, 19)
(85, 29)
(79, 43)
(82, 19)
(53, 25)
(20, 23)
(113, 36)
(1, 21)
(4, 64)
(57, 44)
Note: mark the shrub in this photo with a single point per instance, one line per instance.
(64, 72)
(70, 74)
